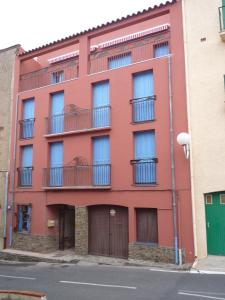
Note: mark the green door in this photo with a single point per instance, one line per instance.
(215, 223)
(223, 12)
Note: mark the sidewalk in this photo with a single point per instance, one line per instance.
(68, 256)
(210, 265)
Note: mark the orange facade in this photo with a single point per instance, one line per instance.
(73, 66)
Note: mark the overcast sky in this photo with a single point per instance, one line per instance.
(33, 23)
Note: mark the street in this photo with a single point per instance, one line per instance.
(94, 282)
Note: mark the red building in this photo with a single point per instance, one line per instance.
(95, 165)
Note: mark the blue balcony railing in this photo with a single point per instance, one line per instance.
(78, 176)
(25, 177)
(26, 129)
(143, 109)
(79, 119)
(144, 171)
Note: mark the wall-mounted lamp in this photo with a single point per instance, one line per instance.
(183, 139)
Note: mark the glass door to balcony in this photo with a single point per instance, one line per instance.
(101, 161)
(57, 113)
(56, 164)
(101, 109)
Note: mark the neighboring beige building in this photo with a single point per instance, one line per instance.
(205, 69)
(7, 63)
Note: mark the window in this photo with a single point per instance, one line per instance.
(161, 49)
(27, 124)
(57, 112)
(57, 77)
(101, 161)
(101, 108)
(25, 171)
(222, 199)
(143, 102)
(208, 199)
(24, 218)
(56, 164)
(118, 61)
(147, 225)
(145, 161)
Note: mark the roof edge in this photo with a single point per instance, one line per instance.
(76, 35)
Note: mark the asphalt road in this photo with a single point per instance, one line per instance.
(92, 282)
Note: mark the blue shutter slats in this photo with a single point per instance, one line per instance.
(145, 167)
(101, 161)
(26, 166)
(101, 109)
(161, 50)
(57, 113)
(28, 118)
(118, 61)
(56, 164)
(143, 103)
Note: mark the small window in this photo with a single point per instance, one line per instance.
(57, 77)
(208, 199)
(118, 61)
(147, 225)
(161, 49)
(24, 218)
(222, 199)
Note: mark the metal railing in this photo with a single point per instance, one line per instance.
(25, 176)
(79, 119)
(139, 50)
(222, 18)
(78, 176)
(47, 76)
(144, 171)
(143, 109)
(26, 128)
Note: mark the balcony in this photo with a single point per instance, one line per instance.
(26, 130)
(78, 120)
(222, 22)
(78, 177)
(25, 177)
(143, 109)
(125, 54)
(50, 75)
(144, 171)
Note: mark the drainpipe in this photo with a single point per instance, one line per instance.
(174, 202)
(5, 206)
(14, 172)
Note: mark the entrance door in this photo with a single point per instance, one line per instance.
(108, 231)
(215, 223)
(66, 227)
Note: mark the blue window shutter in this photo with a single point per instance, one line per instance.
(145, 168)
(101, 110)
(28, 109)
(20, 219)
(120, 61)
(161, 50)
(143, 107)
(27, 154)
(56, 164)
(101, 161)
(28, 218)
(28, 116)
(57, 113)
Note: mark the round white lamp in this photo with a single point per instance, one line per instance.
(183, 139)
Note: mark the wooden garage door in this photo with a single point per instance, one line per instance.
(108, 231)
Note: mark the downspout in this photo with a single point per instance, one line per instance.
(174, 202)
(5, 206)
(14, 172)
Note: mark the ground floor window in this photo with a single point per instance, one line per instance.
(147, 225)
(24, 218)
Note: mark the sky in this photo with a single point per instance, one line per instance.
(32, 23)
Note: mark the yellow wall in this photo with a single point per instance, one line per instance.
(205, 67)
